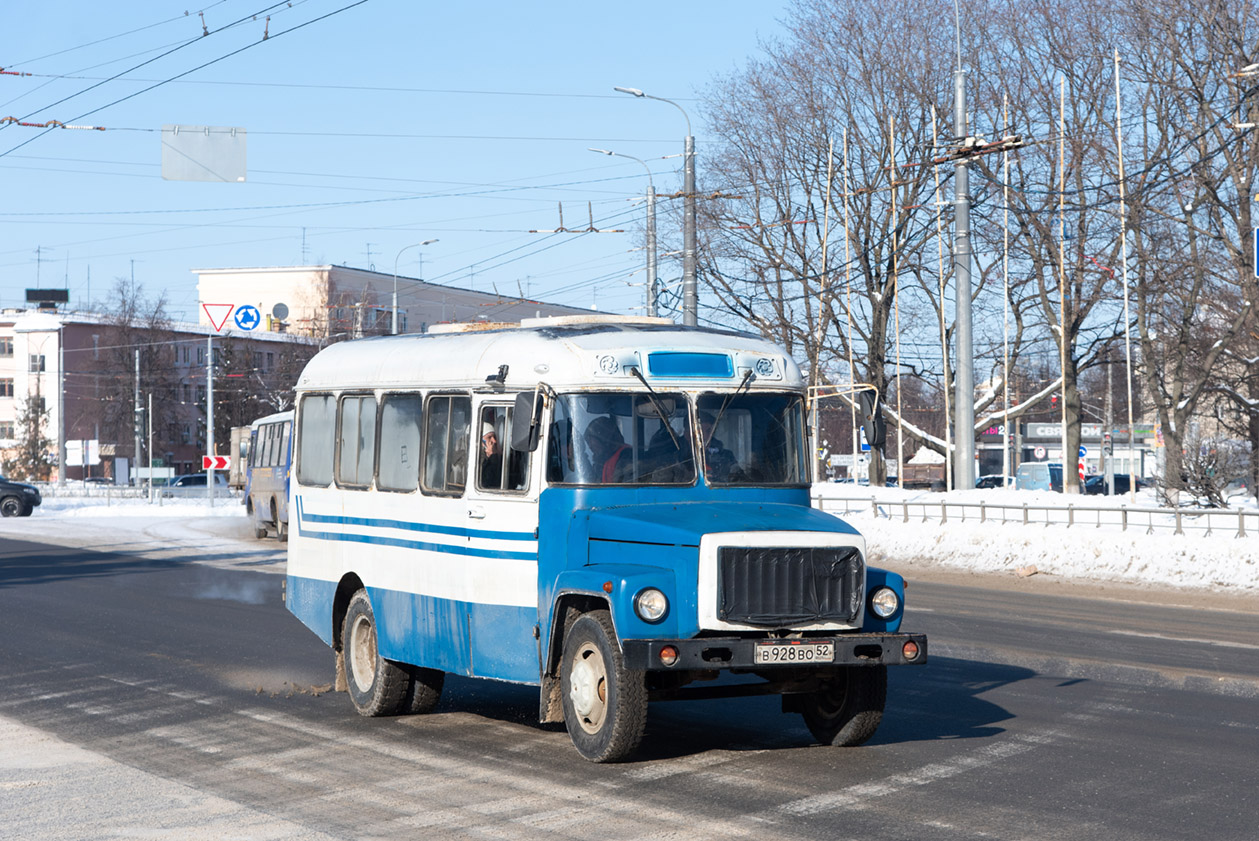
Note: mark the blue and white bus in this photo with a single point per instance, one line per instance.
(270, 458)
(613, 510)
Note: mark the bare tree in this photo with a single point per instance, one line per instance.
(1192, 214)
(136, 324)
(853, 84)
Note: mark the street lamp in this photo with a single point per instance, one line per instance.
(651, 229)
(690, 291)
(394, 331)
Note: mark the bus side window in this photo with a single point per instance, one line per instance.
(357, 453)
(272, 430)
(399, 443)
(316, 437)
(561, 464)
(499, 467)
(283, 457)
(447, 427)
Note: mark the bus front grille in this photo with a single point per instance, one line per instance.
(781, 586)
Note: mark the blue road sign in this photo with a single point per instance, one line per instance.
(247, 317)
(1083, 451)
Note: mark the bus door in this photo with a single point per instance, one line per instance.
(502, 512)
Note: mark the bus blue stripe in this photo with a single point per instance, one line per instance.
(304, 518)
(447, 548)
(374, 522)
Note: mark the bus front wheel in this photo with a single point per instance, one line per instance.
(377, 686)
(605, 704)
(847, 710)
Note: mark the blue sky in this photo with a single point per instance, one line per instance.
(378, 127)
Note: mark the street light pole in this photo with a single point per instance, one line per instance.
(394, 331)
(651, 229)
(964, 381)
(690, 289)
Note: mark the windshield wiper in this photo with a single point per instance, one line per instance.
(747, 381)
(651, 395)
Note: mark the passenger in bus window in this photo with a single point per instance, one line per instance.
(667, 460)
(491, 459)
(719, 462)
(606, 444)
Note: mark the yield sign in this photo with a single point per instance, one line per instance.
(218, 314)
(215, 462)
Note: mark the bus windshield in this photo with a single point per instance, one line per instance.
(605, 438)
(752, 439)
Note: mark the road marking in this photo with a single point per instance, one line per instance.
(663, 768)
(1221, 643)
(856, 795)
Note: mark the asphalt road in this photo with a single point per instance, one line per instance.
(145, 695)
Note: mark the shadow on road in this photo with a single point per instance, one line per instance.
(942, 700)
(24, 562)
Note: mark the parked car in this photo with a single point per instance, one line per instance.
(193, 484)
(1039, 476)
(1097, 484)
(18, 499)
(98, 480)
(994, 480)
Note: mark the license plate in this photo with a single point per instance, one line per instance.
(793, 652)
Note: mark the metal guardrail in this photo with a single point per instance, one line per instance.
(1207, 521)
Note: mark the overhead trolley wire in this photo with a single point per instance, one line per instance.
(192, 70)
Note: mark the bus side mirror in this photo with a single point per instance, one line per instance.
(526, 421)
(872, 423)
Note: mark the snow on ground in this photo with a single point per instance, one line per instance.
(1095, 548)
(113, 505)
(1085, 551)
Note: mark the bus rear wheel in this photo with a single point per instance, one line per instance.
(377, 686)
(847, 710)
(605, 703)
(281, 527)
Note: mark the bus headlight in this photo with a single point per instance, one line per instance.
(651, 605)
(884, 602)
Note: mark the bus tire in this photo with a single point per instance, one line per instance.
(281, 527)
(847, 710)
(605, 704)
(425, 691)
(376, 686)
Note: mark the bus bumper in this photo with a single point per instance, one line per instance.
(752, 654)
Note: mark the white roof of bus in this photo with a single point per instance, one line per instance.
(287, 414)
(560, 351)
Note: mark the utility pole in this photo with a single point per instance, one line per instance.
(135, 466)
(1108, 434)
(150, 448)
(690, 289)
(61, 405)
(209, 416)
(651, 228)
(964, 382)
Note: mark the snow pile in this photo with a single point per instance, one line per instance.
(1084, 551)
